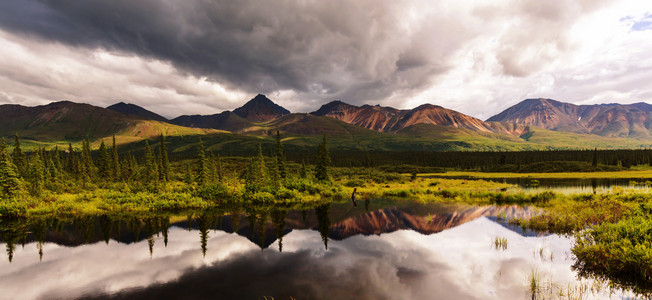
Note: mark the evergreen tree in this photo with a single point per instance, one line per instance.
(595, 158)
(36, 174)
(260, 170)
(103, 163)
(56, 159)
(116, 168)
(303, 173)
(280, 157)
(70, 160)
(19, 158)
(53, 170)
(212, 167)
(150, 173)
(187, 177)
(164, 170)
(9, 179)
(129, 167)
(220, 169)
(87, 168)
(202, 165)
(274, 175)
(323, 160)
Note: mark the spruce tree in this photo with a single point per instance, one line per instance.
(323, 160)
(280, 157)
(116, 168)
(70, 161)
(150, 172)
(36, 174)
(260, 171)
(187, 177)
(53, 170)
(202, 165)
(87, 168)
(303, 173)
(274, 175)
(164, 171)
(9, 179)
(220, 169)
(19, 158)
(103, 163)
(56, 159)
(212, 166)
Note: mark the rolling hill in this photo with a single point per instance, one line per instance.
(69, 121)
(227, 120)
(132, 109)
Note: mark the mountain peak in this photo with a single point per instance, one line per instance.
(260, 108)
(133, 109)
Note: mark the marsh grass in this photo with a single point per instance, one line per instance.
(500, 243)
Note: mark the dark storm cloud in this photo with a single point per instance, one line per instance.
(200, 56)
(357, 50)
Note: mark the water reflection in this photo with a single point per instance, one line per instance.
(394, 251)
(567, 185)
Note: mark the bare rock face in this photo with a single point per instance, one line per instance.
(388, 119)
(260, 108)
(609, 120)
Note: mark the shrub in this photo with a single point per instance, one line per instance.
(212, 191)
(620, 251)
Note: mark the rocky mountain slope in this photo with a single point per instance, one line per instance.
(388, 119)
(607, 120)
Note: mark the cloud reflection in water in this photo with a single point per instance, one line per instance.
(458, 263)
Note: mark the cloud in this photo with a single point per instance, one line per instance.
(206, 56)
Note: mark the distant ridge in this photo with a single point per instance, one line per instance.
(225, 121)
(608, 120)
(389, 119)
(132, 109)
(259, 109)
(69, 121)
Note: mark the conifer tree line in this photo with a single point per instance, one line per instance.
(480, 160)
(61, 169)
(40, 169)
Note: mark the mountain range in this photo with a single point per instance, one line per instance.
(530, 124)
(609, 120)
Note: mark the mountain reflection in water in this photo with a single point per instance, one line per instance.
(391, 252)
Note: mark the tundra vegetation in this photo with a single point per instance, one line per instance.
(613, 230)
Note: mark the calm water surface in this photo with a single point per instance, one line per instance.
(568, 185)
(377, 250)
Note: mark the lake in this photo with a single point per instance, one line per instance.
(566, 185)
(379, 249)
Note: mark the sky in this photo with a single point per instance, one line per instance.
(204, 57)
